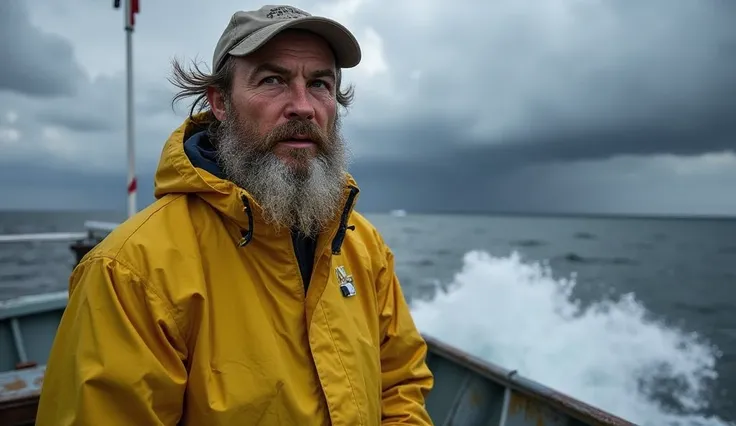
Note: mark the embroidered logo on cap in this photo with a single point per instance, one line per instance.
(285, 12)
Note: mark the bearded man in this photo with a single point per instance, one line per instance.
(250, 291)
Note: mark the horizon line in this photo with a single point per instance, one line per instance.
(450, 212)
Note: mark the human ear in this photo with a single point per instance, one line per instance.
(216, 100)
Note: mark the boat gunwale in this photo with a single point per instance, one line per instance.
(566, 404)
(17, 307)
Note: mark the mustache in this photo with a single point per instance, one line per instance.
(293, 128)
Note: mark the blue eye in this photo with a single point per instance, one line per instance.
(271, 80)
(323, 83)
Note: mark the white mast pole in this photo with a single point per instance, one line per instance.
(132, 182)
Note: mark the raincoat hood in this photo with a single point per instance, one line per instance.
(188, 165)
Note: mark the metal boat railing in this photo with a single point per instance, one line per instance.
(92, 227)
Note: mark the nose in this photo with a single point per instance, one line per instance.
(299, 105)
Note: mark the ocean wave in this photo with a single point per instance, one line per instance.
(610, 353)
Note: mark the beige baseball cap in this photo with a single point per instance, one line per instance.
(249, 30)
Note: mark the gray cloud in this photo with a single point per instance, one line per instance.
(680, 135)
(35, 63)
(54, 187)
(503, 106)
(62, 116)
(87, 131)
(101, 107)
(623, 185)
(564, 80)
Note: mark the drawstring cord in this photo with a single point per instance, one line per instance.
(342, 230)
(247, 234)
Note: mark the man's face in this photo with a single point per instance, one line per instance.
(279, 136)
(285, 93)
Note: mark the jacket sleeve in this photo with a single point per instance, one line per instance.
(117, 358)
(405, 376)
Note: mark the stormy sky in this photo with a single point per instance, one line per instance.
(597, 106)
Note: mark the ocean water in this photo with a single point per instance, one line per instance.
(636, 316)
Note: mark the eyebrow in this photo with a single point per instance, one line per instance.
(277, 69)
(324, 73)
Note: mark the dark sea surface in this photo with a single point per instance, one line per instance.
(636, 316)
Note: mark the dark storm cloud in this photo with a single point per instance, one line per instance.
(101, 106)
(63, 118)
(72, 119)
(86, 131)
(34, 63)
(53, 187)
(625, 185)
(436, 145)
(517, 82)
(46, 86)
(480, 106)
(686, 136)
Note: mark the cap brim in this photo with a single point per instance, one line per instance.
(343, 43)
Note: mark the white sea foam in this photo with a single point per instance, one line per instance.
(516, 314)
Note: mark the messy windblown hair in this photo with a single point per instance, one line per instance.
(195, 81)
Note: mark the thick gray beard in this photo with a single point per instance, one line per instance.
(304, 200)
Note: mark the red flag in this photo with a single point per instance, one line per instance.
(135, 7)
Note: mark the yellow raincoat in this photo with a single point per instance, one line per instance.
(194, 311)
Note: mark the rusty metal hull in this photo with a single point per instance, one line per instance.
(468, 390)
